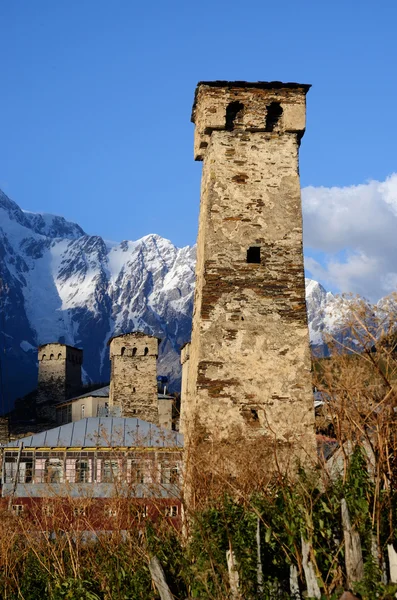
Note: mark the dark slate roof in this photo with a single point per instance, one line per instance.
(103, 432)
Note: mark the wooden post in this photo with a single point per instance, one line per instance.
(158, 578)
(392, 554)
(313, 590)
(259, 570)
(353, 554)
(234, 579)
(15, 482)
(294, 583)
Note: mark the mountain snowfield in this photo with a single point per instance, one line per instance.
(59, 284)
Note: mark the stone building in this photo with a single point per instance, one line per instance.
(133, 383)
(59, 376)
(247, 369)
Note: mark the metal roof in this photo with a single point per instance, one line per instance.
(103, 432)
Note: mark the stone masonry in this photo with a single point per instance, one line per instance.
(133, 383)
(248, 362)
(59, 376)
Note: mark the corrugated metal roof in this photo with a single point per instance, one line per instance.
(104, 432)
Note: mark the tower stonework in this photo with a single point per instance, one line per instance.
(249, 364)
(59, 376)
(133, 383)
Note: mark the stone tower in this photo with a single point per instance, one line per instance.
(133, 383)
(59, 376)
(248, 365)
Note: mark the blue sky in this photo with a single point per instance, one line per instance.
(96, 99)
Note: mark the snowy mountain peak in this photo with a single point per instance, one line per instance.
(53, 226)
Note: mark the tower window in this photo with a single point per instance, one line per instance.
(122, 351)
(51, 357)
(59, 356)
(254, 254)
(232, 110)
(274, 112)
(146, 351)
(133, 351)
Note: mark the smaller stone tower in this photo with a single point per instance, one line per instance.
(59, 376)
(133, 383)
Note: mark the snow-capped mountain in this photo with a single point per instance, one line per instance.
(59, 284)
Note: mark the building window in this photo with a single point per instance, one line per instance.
(169, 474)
(53, 470)
(82, 411)
(110, 471)
(274, 112)
(146, 351)
(134, 352)
(82, 471)
(10, 469)
(137, 471)
(232, 110)
(43, 357)
(254, 254)
(122, 351)
(47, 510)
(171, 511)
(51, 357)
(17, 509)
(79, 511)
(59, 356)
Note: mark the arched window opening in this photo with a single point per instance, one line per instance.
(59, 356)
(53, 470)
(274, 112)
(146, 351)
(254, 254)
(82, 471)
(133, 389)
(51, 357)
(43, 357)
(122, 351)
(133, 351)
(232, 110)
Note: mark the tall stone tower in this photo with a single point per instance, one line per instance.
(248, 365)
(133, 383)
(59, 376)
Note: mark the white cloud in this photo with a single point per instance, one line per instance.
(361, 222)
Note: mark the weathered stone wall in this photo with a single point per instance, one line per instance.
(249, 365)
(185, 396)
(59, 376)
(133, 384)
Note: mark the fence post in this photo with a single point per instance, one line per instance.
(392, 554)
(313, 590)
(158, 578)
(234, 579)
(294, 583)
(353, 554)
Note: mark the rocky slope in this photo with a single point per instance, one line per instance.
(58, 283)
